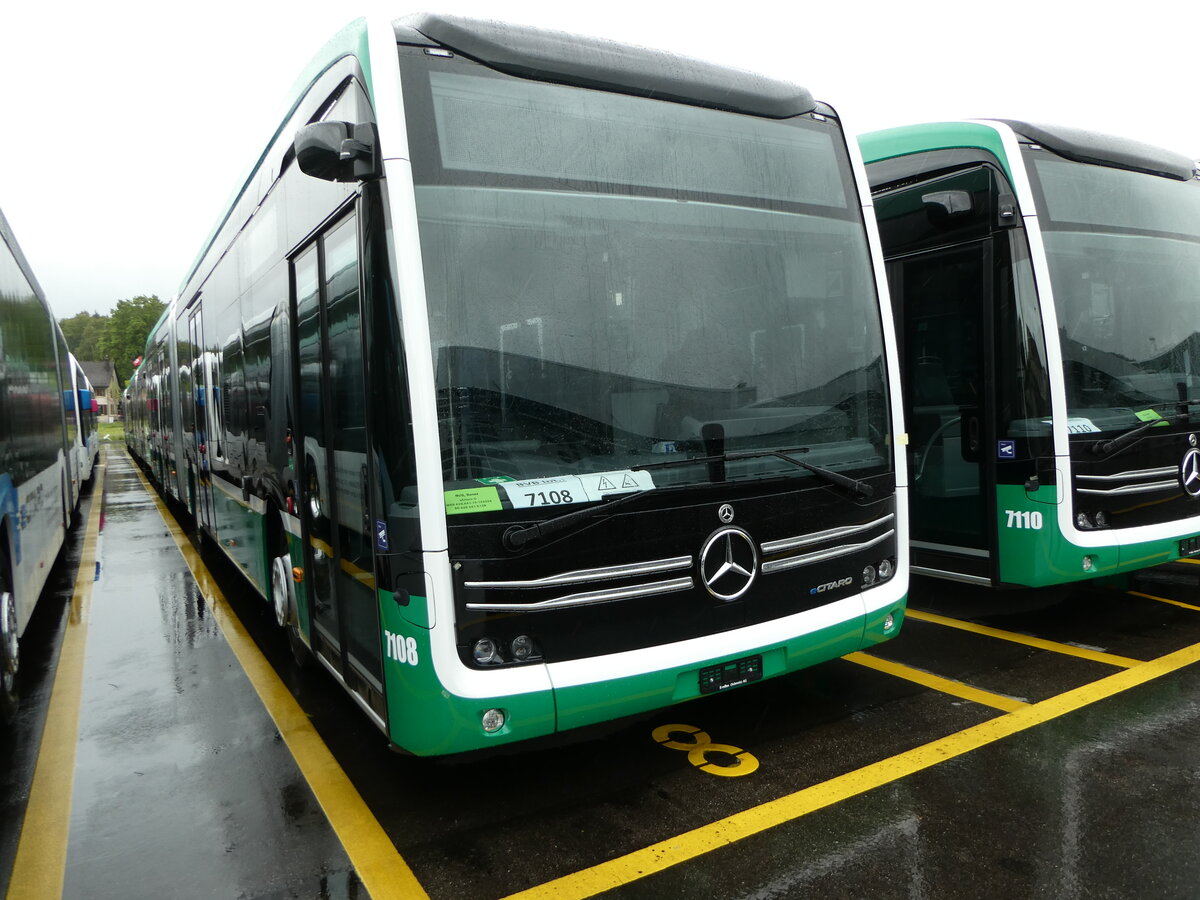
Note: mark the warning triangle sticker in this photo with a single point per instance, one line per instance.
(630, 482)
(605, 484)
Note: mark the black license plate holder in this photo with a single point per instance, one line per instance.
(722, 677)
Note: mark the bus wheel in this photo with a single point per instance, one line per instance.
(8, 651)
(283, 595)
(283, 602)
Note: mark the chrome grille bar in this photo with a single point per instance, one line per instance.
(1132, 489)
(1130, 476)
(817, 537)
(587, 576)
(590, 598)
(793, 562)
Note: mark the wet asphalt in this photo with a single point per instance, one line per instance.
(184, 788)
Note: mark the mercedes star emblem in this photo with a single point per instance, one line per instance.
(1189, 472)
(725, 513)
(728, 563)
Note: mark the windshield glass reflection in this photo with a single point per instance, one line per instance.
(611, 307)
(1124, 253)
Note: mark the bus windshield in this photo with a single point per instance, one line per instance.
(1124, 255)
(615, 282)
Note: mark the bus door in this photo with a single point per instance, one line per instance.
(331, 455)
(201, 393)
(942, 295)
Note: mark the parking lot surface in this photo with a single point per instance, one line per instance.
(1033, 743)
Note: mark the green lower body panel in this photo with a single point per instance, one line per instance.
(1034, 552)
(241, 532)
(425, 719)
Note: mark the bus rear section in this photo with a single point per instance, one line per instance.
(1043, 285)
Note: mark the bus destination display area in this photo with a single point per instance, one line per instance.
(1006, 743)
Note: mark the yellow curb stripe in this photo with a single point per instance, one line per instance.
(1109, 659)
(39, 869)
(937, 682)
(673, 851)
(1164, 600)
(374, 857)
(1188, 560)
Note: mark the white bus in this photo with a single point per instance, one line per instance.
(40, 463)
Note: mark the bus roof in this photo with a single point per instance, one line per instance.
(1072, 143)
(350, 41)
(551, 56)
(1106, 150)
(592, 62)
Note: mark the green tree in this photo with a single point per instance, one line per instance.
(84, 333)
(128, 327)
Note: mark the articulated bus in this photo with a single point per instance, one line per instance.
(1044, 283)
(537, 381)
(41, 463)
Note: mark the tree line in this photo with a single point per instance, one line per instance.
(119, 336)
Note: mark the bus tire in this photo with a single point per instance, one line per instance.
(283, 602)
(283, 594)
(9, 650)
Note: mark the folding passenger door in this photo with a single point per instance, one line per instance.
(201, 395)
(331, 456)
(940, 242)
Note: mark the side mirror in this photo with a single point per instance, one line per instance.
(339, 151)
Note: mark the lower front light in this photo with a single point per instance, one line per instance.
(486, 652)
(493, 720)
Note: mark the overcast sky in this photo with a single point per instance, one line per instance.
(127, 125)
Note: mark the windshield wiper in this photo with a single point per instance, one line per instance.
(1121, 441)
(853, 484)
(517, 537)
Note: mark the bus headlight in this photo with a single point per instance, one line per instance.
(868, 576)
(1102, 519)
(885, 569)
(1083, 522)
(486, 652)
(522, 648)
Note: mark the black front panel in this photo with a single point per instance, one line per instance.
(664, 597)
(1143, 484)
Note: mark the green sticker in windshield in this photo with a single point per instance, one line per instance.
(472, 500)
(1149, 415)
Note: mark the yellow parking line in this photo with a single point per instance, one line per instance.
(673, 851)
(1110, 659)
(1164, 600)
(1189, 561)
(937, 682)
(40, 866)
(374, 857)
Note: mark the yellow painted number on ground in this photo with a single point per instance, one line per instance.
(699, 745)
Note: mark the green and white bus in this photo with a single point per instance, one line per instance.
(1045, 287)
(539, 380)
